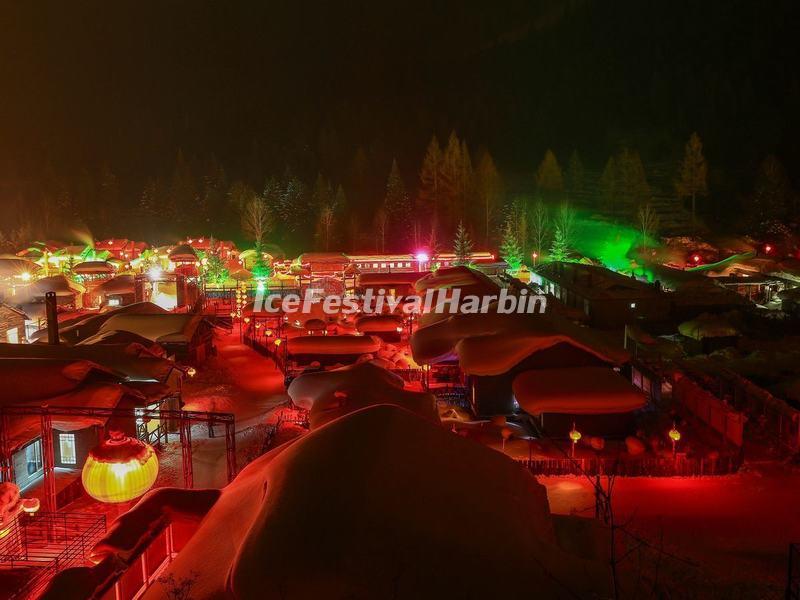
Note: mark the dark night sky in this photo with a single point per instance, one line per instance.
(130, 83)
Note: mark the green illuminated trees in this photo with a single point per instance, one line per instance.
(462, 246)
(510, 250)
(215, 270)
(562, 239)
(559, 251)
(540, 226)
(648, 223)
(692, 176)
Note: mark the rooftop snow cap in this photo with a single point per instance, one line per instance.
(328, 395)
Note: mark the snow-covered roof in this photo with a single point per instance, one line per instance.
(161, 328)
(576, 391)
(93, 267)
(379, 323)
(331, 394)
(24, 428)
(493, 343)
(13, 266)
(130, 362)
(469, 281)
(121, 284)
(378, 504)
(389, 279)
(87, 325)
(37, 379)
(333, 344)
(596, 282)
(59, 284)
(182, 253)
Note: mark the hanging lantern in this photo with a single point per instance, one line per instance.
(119, 469)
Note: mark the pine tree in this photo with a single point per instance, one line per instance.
(489, 191)
(510, 249)
(549, 179)
(772, 194)
(559, 250)
(608, 185)
(215, 270)
(576, 183)
(397, 208)
(430, 177)
(693, 172)
(451, 184)
(632, 181)
(540, 225)
(462, 246)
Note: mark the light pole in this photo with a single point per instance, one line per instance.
(575, 436)
(675, 436)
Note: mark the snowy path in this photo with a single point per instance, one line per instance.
(239, 381)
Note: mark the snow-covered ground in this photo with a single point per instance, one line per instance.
(736, 529)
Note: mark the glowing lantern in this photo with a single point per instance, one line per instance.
(119, 469)
(191, 371)
(247, 320)
(767, 248)
(696, 258)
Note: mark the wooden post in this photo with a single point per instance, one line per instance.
(230, 449)
(186, 450)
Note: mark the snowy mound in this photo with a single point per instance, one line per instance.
(493, 343)
(381, 504)
(328, 395)
(576, 391)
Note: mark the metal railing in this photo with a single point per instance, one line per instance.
(44, 544)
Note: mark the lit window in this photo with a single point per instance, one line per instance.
(391, 265)
(633, 304)
(66, 445)
(374, 265)
(33, 457)
(12, 336)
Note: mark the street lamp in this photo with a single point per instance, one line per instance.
(575, 436)
(675, 436)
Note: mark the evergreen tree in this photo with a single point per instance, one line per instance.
(182, 193)
(772, 194)
(381, 228)
(397, 208)
(510, 249)
(565, 223)
(451, 184)
(559, 250)
(148, 201)
(693, 172)
(489, 191)
(608, 186)
(549, 179)
(215, 271)
(576, 183)
(632, 181)
(462, 246)
(430, 181)
(540, 226)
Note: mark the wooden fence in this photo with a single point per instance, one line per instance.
(678, 466)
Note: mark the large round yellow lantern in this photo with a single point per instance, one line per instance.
(119, 469)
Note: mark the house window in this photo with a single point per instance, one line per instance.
(12, 335)
(66, 445)
(33, 457)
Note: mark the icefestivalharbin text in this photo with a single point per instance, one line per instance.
(433, 301)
